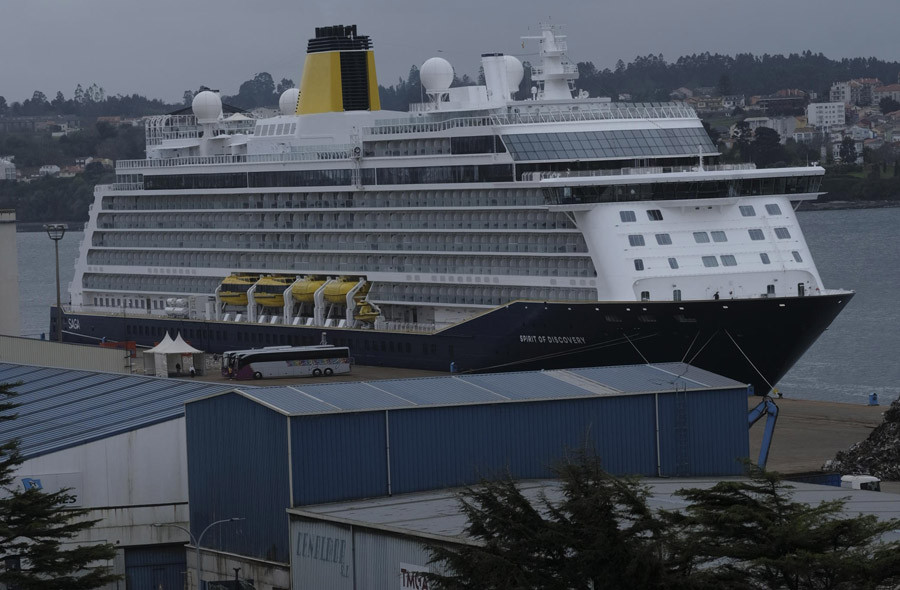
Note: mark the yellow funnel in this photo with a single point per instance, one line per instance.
(339, 73)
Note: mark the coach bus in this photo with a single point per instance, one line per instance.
(294, 361)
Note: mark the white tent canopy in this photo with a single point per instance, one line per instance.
(168, 357)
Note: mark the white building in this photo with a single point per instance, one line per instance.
(825, 114)
(118, 443)
(7, 170)
(49, 170)
(889, 91)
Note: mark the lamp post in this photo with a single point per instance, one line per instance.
(56, 231)
(197, 540)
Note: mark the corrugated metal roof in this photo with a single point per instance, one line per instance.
(60, 408)
(489, 388)
(438, 513)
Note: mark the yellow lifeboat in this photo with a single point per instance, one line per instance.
(270, 290)
(306, 288)
(233, 290)
(336, 291)
(367, 312)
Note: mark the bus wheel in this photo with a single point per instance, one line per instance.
(329, 372)
(317, 372)
(257, 375)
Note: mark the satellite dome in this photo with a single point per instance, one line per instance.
(288, 101)
(207, 107)
(436, 75)
(514, 72)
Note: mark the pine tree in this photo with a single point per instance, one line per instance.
(35, 525)
(599, 534)
(751, 534)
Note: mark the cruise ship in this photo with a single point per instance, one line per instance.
(476, 232)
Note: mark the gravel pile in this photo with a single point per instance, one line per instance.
(878, 455)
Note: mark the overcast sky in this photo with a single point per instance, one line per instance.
(160, 48)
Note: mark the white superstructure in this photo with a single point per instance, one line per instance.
(368, 218)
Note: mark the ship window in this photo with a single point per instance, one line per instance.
(773, 209)
(638, 264)
(627, 216)
(636, 240)
(673, 263)
(719, 236)
(663, 239)
(645, 296)
(710, 261)
(797, 256)
(782, 233)
(764, 257)
(654, 215)
(756, 234)
(748, 211)
(728, 260)
(676, 295)
(701, 237)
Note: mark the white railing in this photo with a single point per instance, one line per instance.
(301, 154)
(547, 114)
(538, 176)
(567, 69)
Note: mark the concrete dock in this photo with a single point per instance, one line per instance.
(808, 433)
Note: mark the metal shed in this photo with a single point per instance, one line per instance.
(252, 453)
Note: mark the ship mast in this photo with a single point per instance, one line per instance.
(556, 75)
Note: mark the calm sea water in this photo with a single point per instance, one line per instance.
(853, 249)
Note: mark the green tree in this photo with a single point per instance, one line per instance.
(742, 135)
(285, 84)
(599, 534)
(36, 529)
(848, 151)
(766, 149)
(751, 534)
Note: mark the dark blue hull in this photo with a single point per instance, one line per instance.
(752, 340)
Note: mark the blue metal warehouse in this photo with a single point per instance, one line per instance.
(256, 452)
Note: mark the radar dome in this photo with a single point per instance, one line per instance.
(288, 101)
(436, 75)
(207, 107)
(514, 72)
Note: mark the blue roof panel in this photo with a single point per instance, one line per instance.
(487, 388)
(60, 408)
(356, 396)
(437, 391)
(523, 386)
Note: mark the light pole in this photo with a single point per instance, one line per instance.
(56, 231)
(196, 541)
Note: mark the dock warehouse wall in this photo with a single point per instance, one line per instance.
(247, 457)
(118, 441)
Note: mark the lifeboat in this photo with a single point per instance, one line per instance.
(336, 291)
(233, 290)
(270, 290)
(367, 312)
(306, 288)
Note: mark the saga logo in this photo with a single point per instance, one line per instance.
(73, 324)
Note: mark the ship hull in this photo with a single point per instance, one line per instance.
(755, 341)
